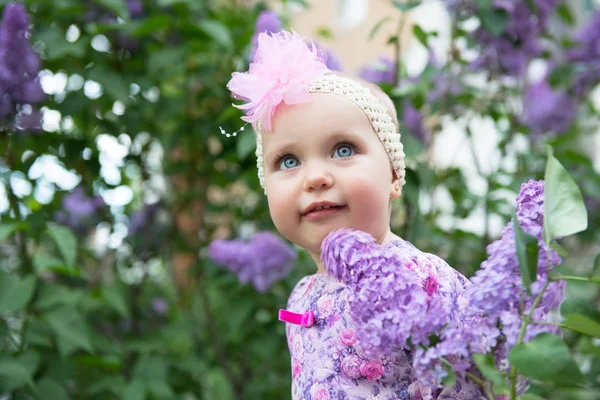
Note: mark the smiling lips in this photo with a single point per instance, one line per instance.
(321, 210)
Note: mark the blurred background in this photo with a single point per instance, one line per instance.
(137, 256)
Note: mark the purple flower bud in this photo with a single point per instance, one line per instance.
(136, 8)
(160, 306)
(586, 55)
(267, 22)
(413, 120)
(79, 211)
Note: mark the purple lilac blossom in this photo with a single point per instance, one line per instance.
(146, 229)
(386, 295)
(547, 110)
(413, 120)
(384, 71)
(331, 60)
(262, 260)
(510, 51)
(586, 56)
(79, 211)
(267, 21)
(19, 67)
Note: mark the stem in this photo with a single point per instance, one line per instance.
(401, 23)
(469, 375)
(526, 322)
(548, 323)
(571, 278)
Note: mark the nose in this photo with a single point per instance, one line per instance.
(317, 177)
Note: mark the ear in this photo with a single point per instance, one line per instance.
(395, 189)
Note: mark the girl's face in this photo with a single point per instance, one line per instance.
(325, 153)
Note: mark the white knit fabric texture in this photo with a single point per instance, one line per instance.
(382, 122)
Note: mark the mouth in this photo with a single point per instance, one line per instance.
(322, 210)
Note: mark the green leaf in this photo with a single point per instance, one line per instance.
(6, 230)
(406, 6)
(485, 363)
(115, 298)
(135, 391)
(246, 144)
(546, 358)
(30, 359)
(450, 379)
(149, 26)
(378, 26)
(565, 13)
(582, 324)
(421, 35)
(564, 209)
(218, 31)
(15, 293)
(596, 265)
(160, 389)
(58, 47)
(13, 374)
(484, 4)
(70, 328)
(530, 396)
(494, 21)
(527, 253)
(48, 389)
(46, 262)
(66, 242)
(113, 83)
(119, 7)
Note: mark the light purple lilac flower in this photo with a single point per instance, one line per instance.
(510, 51)
(386, 295)
(262, 260)
(384, 71)
(586, 56)
(268, 21)
(79, 211)
(548, 110)
(413, 120)
(160, 306)
(19, 67)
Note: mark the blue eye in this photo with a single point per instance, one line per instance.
(288, 162)
(344, 150)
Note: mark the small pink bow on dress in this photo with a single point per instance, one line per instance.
(306, 319)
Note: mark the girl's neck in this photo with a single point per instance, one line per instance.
(388, 237)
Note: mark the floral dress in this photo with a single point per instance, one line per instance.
(327, 361)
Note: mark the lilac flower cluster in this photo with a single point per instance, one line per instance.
(146, 229)
(586, 56)
(79, 211)
(493, 309)
(262, 260)
(20, 87)
(390, 300)
(548, 110)
(510, 51)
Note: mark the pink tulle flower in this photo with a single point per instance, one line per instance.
(283, 68)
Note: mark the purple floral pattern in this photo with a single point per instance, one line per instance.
(327, 360)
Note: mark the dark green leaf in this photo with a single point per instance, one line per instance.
(527, 253)
(564, 209)
(546, 358)
(30, 359)
(485, 363)
(246, 144)
(150, 26)
(70, 328)
(66, 242)
(582, 324)
(58, 47)
(114, 297)
(494, 21)
(565, 13)
(46, 262)
(596, 265)
(421, 35)
(135, 391)
(48, 389)
(119, 7)
(13, 374)
(406, 6)
(15, 293)
(113, 83)
(6, 230)
(218, 32)
(378, 26)
(484, 4)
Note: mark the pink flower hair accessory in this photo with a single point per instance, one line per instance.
(282, 70)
